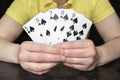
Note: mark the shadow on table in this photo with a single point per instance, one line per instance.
(110, 71)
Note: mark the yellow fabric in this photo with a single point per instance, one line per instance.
(23, 10)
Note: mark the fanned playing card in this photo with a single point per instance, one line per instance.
(32, 30)
(58, 25)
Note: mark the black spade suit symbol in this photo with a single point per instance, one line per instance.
(43, 22)
(47, 33)
(81, 32)
(31, 29)
(75, 20)
(84, 26)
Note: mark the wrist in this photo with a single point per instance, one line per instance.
(12, 54)
(101, 56)
(15, 56)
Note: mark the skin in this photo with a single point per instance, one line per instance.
(81, 54)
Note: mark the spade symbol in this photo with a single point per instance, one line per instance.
(65, 17)
(81, 32)
(75, 20)
(75, 33)
(47, 33)
(62, 28)
(31, 29)
(69, 34)
(41, 35)
(65, 40)
(55, 17)
(43, 22)
(39, 24)
(72, 27)
(84, 26)
(78, 38)
(55, 28)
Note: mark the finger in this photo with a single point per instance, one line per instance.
(40, 57)
(35, 47)
(79, 53)
(77, 66)
(80, 61)
(37, 67)
(39, 73)
(75, 44)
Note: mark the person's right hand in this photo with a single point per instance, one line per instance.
(39, 58)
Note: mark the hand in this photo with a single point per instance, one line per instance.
(39, 58)
(80, 54)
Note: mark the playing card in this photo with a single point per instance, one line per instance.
(70, 32)
(81, 26)
(58, 25)
(74, 26)
(49, 29)
(86, 25)
(32, 30)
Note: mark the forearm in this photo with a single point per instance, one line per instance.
(109, 51)
(9, 51)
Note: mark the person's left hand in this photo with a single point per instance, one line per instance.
(80, 54)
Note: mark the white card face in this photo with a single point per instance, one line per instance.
(48, 29)
(33, 31)
(58, 25)
(69, 32)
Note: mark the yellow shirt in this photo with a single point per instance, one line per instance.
(95, 10)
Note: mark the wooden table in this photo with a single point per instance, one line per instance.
(10, 71)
